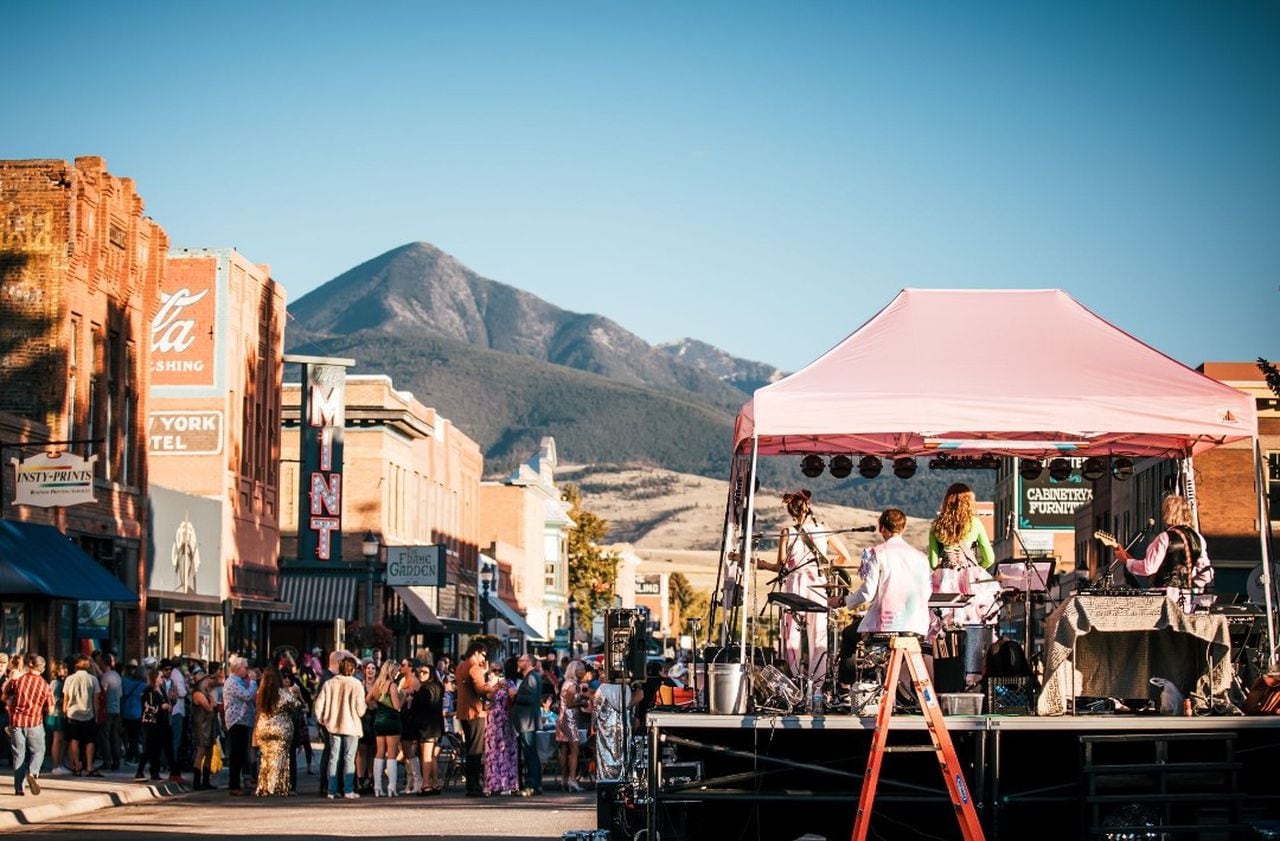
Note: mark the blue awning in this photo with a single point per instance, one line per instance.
(39, 560)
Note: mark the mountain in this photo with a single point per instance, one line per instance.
(742, 374)
(418, 290)
(507, 403)
(509, 368)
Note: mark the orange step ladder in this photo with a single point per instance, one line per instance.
(907, 648)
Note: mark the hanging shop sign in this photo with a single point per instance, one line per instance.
(50, 479)
(416, 566)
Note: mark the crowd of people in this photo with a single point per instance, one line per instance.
(493, 724)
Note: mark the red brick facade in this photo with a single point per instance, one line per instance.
(80, 270)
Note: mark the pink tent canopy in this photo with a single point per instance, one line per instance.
(1025, 372)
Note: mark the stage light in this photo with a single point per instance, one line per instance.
(904, 467)
(840, 467)
(1059, 469)
(1093, 469)
(989, 461)
(869, 467)
(1030, 469)
(812, 466)
(938, 463)
(1122, 468)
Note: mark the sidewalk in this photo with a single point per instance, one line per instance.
(63, 795)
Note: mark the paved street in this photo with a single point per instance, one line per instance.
(214, 814)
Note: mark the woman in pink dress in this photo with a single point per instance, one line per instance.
(805, 554)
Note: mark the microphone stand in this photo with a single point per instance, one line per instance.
(694, 621)
(1029, 571)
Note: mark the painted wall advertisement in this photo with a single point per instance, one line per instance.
(185, 555)
(1046, 503)
(194, 433)
(184, 330)
(48, 479)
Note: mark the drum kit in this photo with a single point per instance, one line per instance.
(853, 680)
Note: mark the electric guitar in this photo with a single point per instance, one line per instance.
(1106, 538)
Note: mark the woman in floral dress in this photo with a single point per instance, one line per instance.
(501, 771)
(273, 733)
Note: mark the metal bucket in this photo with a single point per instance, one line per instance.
(977, 639)
(726, 690)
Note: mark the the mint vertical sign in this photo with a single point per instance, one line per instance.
(320, 487)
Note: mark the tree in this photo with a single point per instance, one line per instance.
(689, 603)
(1272, 375)
(681, 591)
(698, 607)
(593, 570)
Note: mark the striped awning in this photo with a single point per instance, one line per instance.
(317, 598)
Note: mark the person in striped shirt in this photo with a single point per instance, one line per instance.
(28, 699)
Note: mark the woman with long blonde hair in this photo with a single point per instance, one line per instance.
(960, 554)
(571, 704)
(385, 699)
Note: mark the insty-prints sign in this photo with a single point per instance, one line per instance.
(54, 479)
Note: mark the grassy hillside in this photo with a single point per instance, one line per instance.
(507, 403)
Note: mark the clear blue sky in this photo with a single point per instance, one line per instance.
(760, 176)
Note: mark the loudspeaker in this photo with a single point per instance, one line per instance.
(626, 634)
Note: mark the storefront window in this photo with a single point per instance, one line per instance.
(13, 627)
(66, 628)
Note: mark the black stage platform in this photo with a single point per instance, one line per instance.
(780, 777)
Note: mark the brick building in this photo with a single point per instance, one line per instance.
(213, 440)
(80, 272)
(409, 478)
(1224, 487)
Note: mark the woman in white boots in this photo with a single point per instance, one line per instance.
(385, 699)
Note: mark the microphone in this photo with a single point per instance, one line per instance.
(1150, 522)
(863, 528)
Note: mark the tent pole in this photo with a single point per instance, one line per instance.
(1264, 535)
(724, 584)
(744, 552)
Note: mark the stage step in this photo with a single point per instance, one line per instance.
(1186, 782)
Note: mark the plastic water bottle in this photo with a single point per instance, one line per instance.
(815, 702)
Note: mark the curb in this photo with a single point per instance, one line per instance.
(87, 803)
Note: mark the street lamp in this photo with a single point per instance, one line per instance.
(486, 586)
(369, 547)
(573, 630)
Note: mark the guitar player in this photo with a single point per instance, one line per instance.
(1177, 559)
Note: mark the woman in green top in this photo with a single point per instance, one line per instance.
(959, 554)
